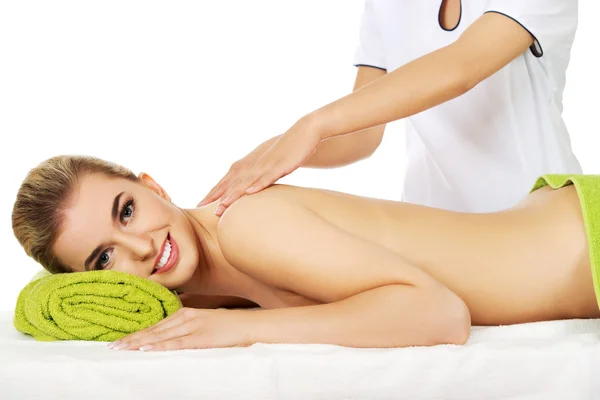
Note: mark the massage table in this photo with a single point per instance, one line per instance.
(544, 360)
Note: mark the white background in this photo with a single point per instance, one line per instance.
(182, 89)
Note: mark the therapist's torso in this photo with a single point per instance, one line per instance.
(482, 151)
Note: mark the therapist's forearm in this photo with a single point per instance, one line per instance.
(344, 150)
(341, 150)
(417, 86)
(486, 46)
(347, 149)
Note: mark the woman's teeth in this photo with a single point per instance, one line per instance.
(165, 255)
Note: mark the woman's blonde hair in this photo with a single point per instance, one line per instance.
(38, 211)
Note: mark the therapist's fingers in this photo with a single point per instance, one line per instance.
(257, 179)
(236, 190)
(217, 191)
(288, 153)
(266, 180)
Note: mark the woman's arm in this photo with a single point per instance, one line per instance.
(372, 297)
(486, 46)
(375, 298)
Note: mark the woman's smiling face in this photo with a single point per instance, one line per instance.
(118, 224)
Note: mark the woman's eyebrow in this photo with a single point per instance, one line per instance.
(115, 207)
(94, 253)
(91, 258)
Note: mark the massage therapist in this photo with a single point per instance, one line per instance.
(479, 84)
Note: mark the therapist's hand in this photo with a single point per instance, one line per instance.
(189, 328)
(289, 152)
(236, 169)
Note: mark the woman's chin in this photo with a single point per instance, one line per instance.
(181, 279)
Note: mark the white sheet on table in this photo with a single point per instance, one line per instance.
(549, 360)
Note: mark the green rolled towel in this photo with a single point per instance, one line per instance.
(94, 305)
(588, 191)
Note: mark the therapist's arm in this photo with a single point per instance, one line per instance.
(343, 150)
(334, 152)
(339, 151)
(489, 44)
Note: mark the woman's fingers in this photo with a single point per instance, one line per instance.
(158, 336)
(190, 329)
(177, 318)
(178, 343)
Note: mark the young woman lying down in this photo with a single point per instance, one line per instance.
(324, 267)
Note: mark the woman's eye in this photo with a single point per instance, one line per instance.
(127, 211)
(103, 260)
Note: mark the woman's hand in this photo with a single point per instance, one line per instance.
(288, 153)
(189, 328)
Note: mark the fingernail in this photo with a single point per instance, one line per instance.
(121, 346)
(144, 348)
(250, 189)
(219, 210)
(113, 344)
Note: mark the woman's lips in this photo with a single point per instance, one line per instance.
(173, 257)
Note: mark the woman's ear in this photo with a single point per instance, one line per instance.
(155, 187)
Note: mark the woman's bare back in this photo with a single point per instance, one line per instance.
(525, 264)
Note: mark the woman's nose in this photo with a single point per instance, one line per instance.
(141, 246)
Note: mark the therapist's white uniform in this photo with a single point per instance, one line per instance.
(482, 151)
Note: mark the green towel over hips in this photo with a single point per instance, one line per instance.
(588, 191)
(94, 305)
